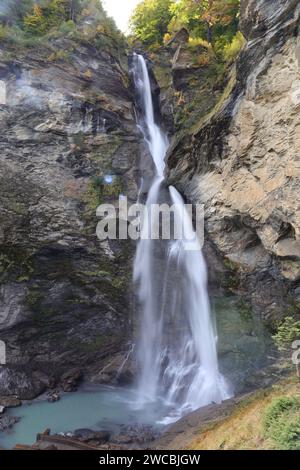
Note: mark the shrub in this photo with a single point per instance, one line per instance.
(167, 38)
(88, 75)
(202, 51)
(59, 55)
(3, 32)
(281, 422)
(232, 50)
(14, 34)
(42, 21)
(49, 14)
(203, 60)
(67, 27)
(35, 22)
(195, 42)
(287, 332)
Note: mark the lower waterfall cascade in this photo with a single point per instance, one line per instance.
(177, 346)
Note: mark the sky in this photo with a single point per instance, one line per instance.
(121, 11)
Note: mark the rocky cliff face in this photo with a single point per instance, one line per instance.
(68, 143)
(241, 160)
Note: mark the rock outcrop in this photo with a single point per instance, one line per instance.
(68, 142)
(242, 161)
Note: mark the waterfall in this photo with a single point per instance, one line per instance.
(177, 347)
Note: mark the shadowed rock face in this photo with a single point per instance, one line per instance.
(242, 161)
(64, 295)
(265, 17)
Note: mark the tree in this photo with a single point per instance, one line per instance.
(150, 20)
(69, 8)
(74, 8)
(35, 22)
(204, 18)
(48, 13)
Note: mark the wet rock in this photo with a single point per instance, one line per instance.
(102, 436)
(84, 434)
(12, 297)
(40, 435)
(43, 379)
(137, 434)
(53, 397)
(87, 435)
(7, 422)
(71, 379)
(121, 370)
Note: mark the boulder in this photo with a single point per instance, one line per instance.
(7, 422)
(86, 435)
(71, 379)
(10, 401)
(53, 397)
(135, 434)
(18, 383)
(181, 37)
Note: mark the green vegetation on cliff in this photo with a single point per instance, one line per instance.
(193, 46)
(33, 21)
(288, 331)
(213, 21)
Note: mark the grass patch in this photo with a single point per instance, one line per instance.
(282, 422)
(267, 420)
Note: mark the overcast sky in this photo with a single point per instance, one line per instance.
(121, 11)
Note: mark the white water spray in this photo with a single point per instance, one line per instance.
(177, 351)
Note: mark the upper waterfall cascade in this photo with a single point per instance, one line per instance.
(177, 346)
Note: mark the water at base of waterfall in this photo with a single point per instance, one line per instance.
(92, 407)
(177, 344)
(245, 346)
